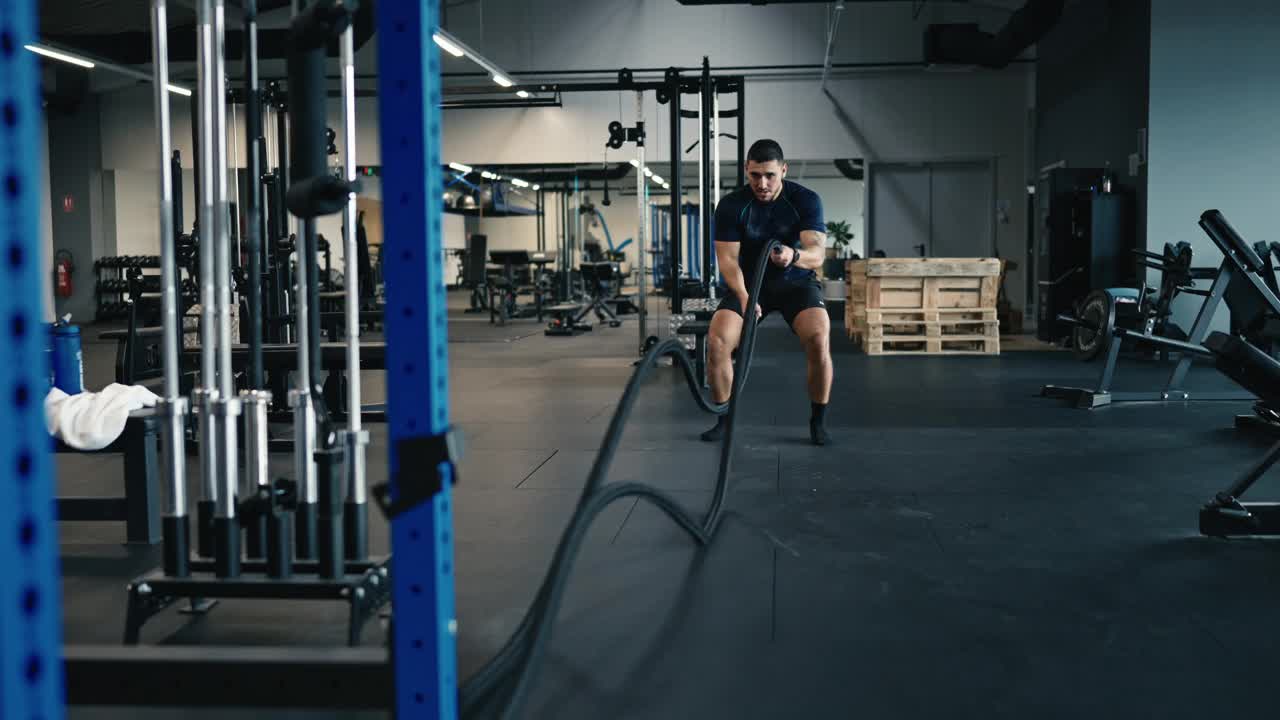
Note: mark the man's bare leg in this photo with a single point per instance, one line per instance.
(722, 340)
(813, 327)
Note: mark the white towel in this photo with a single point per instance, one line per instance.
(92, 421)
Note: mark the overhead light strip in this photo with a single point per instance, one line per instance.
(96, 63)
(457, 48)
(448, 46)
(56, 55)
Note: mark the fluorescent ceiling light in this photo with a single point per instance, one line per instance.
(488, 175)
(648, 172)
(537, 186)
(101, 64)
(635, 162)
(460, 167)
(519, 183)
(59, 56)
(447, 46)
(522, 93)
(502, 80)
(658, 179)
(666, 186)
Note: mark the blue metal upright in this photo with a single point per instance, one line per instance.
(31, 679)
(421, 467)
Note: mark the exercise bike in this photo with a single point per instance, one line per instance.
(1146, 310)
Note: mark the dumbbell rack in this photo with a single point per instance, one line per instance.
(111, 283)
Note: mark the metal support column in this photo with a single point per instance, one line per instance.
(713, 268)
(207, 393)
(677, 190)
(742, 132)
(176, 530)
(355, 512)
(31, 683)
(424, 648)
(694, 253)
(255, 400)
(705, 204)
(642, 236)
(253, 199)
(562, 246)
(226, 406)
(542, 238)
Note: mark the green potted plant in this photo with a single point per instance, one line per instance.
(839, 234)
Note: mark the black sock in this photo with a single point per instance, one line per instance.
(817, 433)
(819, 412)
(716, 432)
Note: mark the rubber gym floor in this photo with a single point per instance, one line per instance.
(966, 549)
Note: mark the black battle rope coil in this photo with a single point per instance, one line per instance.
(525, 646)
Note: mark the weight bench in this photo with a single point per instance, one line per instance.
(1239, 283)
(333, 322)
(506, 289)
(563, 320)
(139, 507)
(624, 303)
(698, 328)
(280, 359)
(1225, 515)
(136, 361)
(598, 278)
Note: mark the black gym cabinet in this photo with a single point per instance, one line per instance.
(1085, 235)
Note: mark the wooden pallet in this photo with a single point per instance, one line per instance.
(946, 316)
(922, 283)
(932, 330)
(916, 345)
(929, 323)
(901, 303)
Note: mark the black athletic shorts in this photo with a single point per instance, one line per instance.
(789, 301)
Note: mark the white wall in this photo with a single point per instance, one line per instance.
(568, 34)
(129, 132)
(1212, 124)
(842, 199)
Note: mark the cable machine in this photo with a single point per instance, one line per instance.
(669, 90)
(418, 674)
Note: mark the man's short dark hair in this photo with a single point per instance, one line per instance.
(762, 151)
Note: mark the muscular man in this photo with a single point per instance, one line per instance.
(771, 207)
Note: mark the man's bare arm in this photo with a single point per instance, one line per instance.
(813, 249)
(727, 257)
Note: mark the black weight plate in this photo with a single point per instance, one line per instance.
(1095, 312)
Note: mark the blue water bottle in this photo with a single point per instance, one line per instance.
(68, 362)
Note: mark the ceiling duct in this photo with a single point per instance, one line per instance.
(854, 169)
(965, 44)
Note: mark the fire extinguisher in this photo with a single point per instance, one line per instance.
(63, 267)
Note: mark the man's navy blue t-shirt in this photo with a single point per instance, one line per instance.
(742, 218)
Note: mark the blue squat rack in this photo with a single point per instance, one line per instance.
(31, 611)
(424, 654)
(418, 677)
